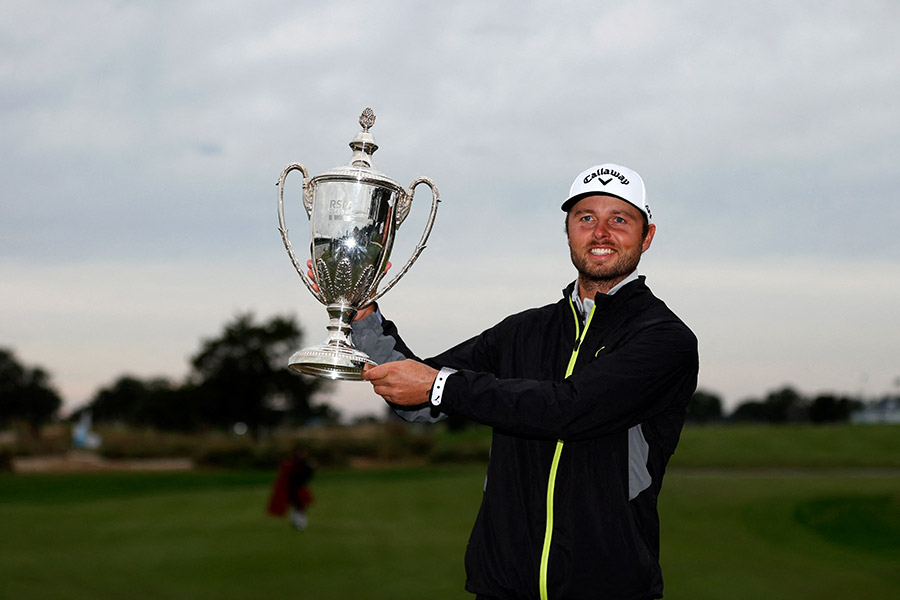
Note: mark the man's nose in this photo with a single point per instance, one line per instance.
(600, 230)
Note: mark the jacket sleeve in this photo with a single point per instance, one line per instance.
(641, 378)
(379, 338)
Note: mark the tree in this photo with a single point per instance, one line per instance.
(786, 405)
(750, 410)
(25, 393)
(781, 406)
(704, 407)
(828, 408)
(119, 402)
(155, 402)
(241, 375)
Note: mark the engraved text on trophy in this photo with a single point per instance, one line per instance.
(352, 239)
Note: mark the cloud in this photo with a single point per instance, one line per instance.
(140, 152)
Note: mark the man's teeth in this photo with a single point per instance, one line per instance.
(599, 251)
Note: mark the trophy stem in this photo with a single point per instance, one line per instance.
(336, 358)
(340, 320)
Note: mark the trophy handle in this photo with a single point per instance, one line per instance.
(403, 206)
(307, 204)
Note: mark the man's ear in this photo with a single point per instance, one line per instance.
(648, 239)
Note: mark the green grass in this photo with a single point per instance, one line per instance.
(795, 446)
(373, 534)
(749, 533)
(780, 536)
(789, 446)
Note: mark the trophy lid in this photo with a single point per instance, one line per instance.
(360, 167)
(363, 144)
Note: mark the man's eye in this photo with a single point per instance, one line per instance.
(587, 218)
(619, 219)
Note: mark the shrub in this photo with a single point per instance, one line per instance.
(6, 457)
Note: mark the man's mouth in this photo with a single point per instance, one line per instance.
(601, 251)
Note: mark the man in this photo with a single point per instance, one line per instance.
(586, 398)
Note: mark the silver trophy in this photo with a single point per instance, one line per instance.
(354, 212)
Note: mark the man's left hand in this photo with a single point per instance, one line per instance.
(406, 382)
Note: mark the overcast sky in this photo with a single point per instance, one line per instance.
(141, 142)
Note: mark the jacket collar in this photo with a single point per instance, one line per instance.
(629, 285)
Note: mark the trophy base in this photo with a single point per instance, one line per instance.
(331, 362)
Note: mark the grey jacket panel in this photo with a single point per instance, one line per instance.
(369, 337)
(638, 450)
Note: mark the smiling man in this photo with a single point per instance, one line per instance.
(586, 398)
(605, 241)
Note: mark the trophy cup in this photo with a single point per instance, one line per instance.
(354, 212)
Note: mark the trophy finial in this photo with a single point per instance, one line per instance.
(363, 144)
(367, 119)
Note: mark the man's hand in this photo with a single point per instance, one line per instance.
(406, 382)
(363, 312)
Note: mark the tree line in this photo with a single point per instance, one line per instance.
(785, 405)
(239, 376)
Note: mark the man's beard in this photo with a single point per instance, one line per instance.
(610, 273)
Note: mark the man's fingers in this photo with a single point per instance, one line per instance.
(374, 372)
(380, 377)
(311, 274)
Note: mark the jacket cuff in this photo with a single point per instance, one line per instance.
(437, 388)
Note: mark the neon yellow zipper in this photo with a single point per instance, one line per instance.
(551, 483)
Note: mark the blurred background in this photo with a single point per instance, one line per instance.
(142, 142)
(147, 304)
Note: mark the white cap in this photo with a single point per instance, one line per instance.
(612, 180)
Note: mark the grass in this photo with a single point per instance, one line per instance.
(728, 446)
(771, 532)
(789, 446)
(780, 536)
(373, 534)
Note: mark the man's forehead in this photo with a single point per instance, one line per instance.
(606, 202)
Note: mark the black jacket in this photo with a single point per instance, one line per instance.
(598, 441)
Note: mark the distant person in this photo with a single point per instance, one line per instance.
(586, 398)
(83, 435)
(291, 491)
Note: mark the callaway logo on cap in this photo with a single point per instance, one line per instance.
(613, 180)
